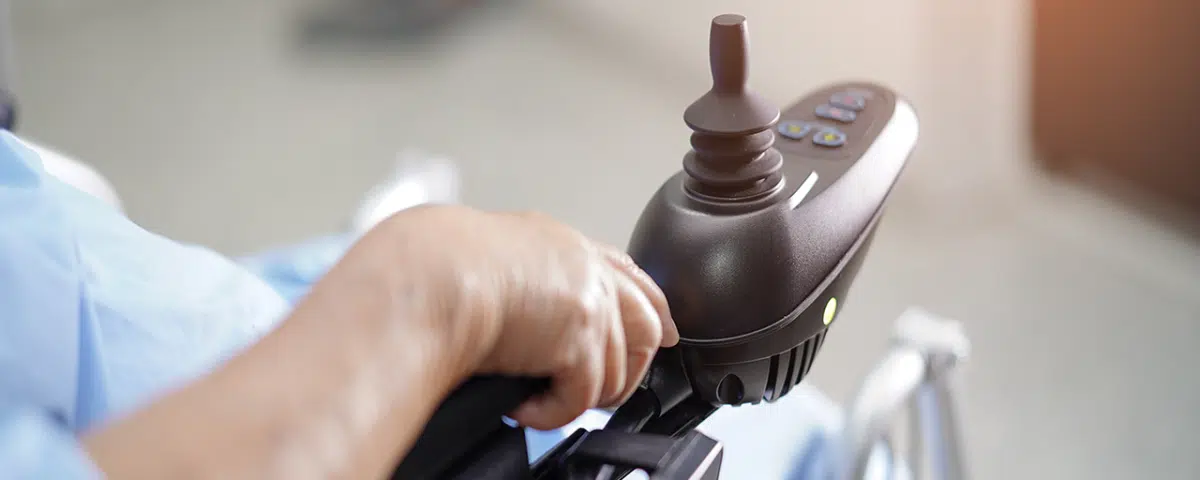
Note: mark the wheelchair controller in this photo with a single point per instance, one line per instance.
(755, 243)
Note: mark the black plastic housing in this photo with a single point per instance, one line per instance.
(749, 281)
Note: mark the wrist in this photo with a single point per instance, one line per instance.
(431, 302)
(396, 316)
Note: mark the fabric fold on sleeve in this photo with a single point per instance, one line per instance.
(34, 444)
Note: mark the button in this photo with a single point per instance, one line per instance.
(794, 130)
(831, 112)
(849, 101)
(830, 138)
(861, 92)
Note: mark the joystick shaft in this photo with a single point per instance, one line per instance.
(732, 156)
(728, 52)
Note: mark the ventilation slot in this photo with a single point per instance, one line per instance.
(787, 380)
(772, 380)
(804, 354)
(812, 352)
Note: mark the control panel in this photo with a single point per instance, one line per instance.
(824, 134)
(756, 242)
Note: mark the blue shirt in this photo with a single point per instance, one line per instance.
(98, 316)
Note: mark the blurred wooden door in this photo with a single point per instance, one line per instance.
(1117, 86)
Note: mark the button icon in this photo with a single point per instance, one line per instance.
(794, 130)
(829, 138)
(837, 114)
(849, 101)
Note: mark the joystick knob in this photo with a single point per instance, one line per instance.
(732, 155)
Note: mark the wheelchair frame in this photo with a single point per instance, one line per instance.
(915, 374)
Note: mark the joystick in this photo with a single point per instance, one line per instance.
(755, 244)
(731, 157)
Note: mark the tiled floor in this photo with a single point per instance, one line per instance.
(217, 128)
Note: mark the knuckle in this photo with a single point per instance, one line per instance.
(589, 388)
(585, 306)
(595, 299)
(647, 331)
(584, 333)
(639, 364)
(642, 354)
(623, 259)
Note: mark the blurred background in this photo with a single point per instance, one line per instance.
(1075, 266)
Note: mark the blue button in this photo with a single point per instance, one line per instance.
(837, 114)
(794, 130)
(849, 101)
(829, 138)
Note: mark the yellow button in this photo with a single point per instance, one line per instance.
(830, 138)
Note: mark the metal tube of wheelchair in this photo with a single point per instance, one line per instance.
(917, 432)
(885, 392)
(942, 442)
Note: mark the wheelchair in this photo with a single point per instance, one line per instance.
(811, 437)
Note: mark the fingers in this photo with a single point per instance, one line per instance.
(632, 334)
(595, 364)
(575, 390)
(615, 361)
(643, 335)
(598, 339)
(649, 290)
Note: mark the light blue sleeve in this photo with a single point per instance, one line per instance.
(34, 445)
(293, 269)
(98, 316)
(40, 330)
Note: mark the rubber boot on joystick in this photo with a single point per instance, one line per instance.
(732, 155)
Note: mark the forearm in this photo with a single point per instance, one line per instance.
(341, 389)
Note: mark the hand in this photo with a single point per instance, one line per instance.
(425, 299)
(521, 294)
